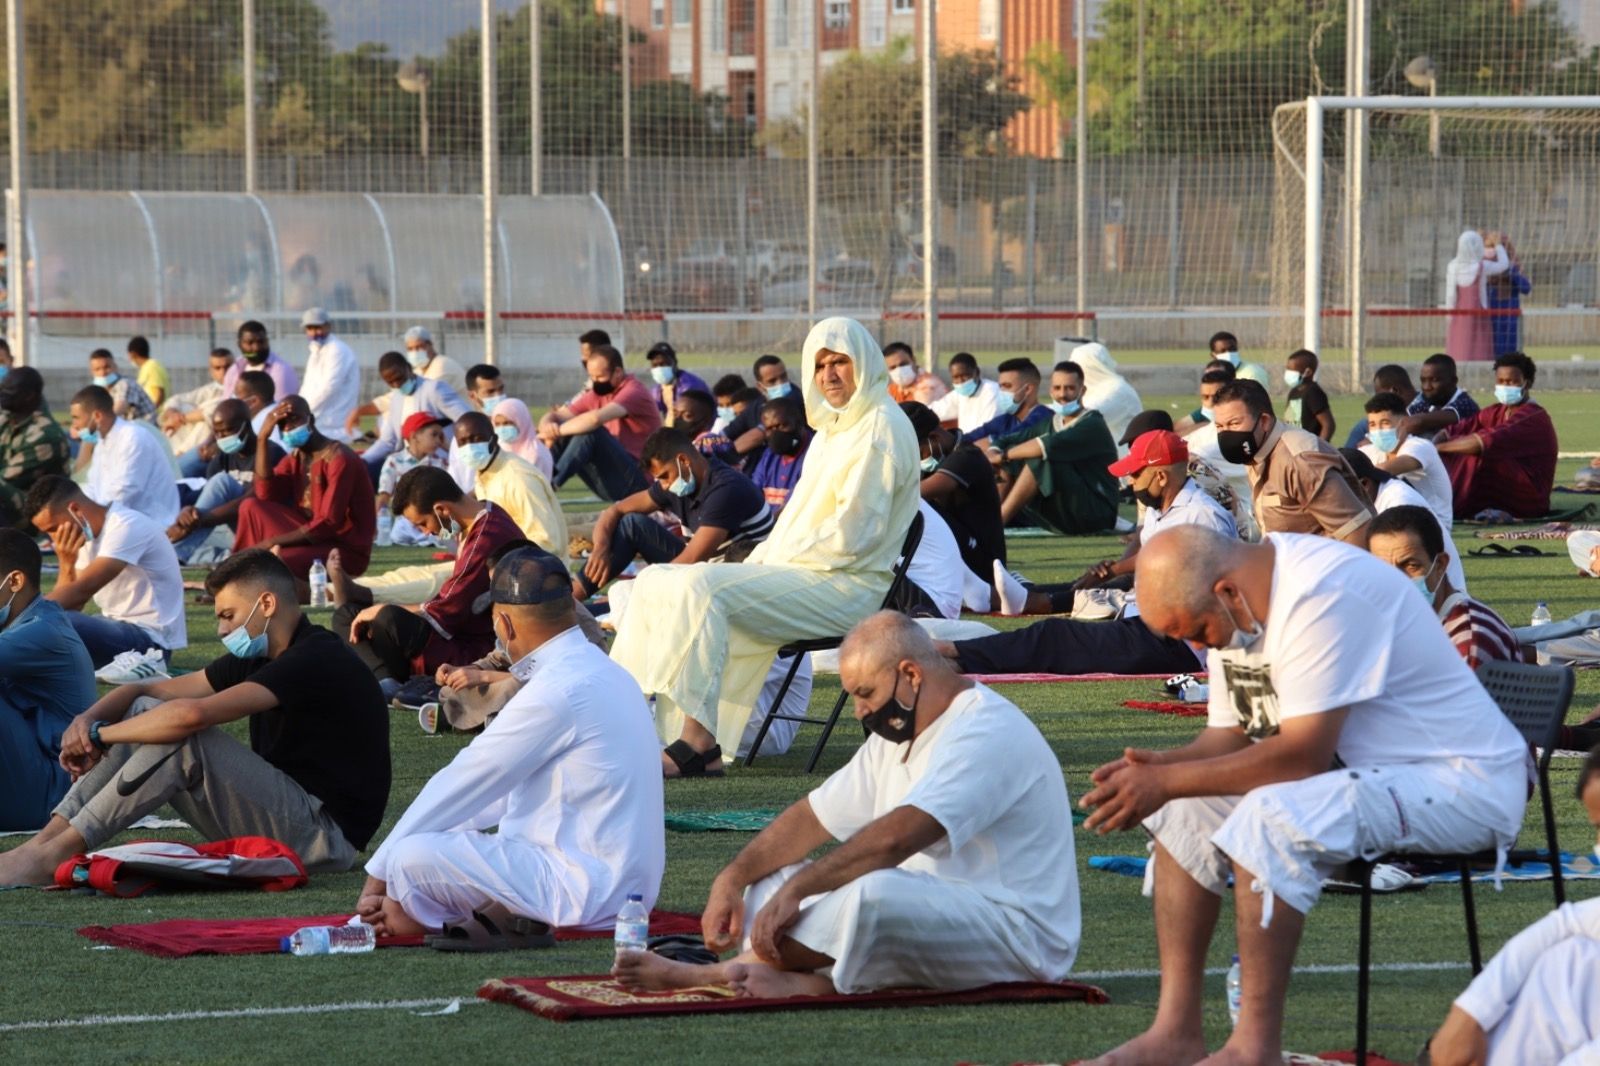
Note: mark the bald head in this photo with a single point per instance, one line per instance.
(1195, 584)
(883, 641)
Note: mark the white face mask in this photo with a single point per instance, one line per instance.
(903, 375)
(1242, 638)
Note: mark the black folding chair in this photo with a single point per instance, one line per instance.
(1535, 698)
(795, 650)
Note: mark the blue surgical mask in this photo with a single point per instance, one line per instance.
(489, 403)
(508, 434)
(682, 486)
(3, 371)
(778, 391)
(448, 527)
(966, 388)
(1242, 638)
(1005, 404)
(663, 375)
(417, 357)
(1204, 413)
(83, 524)
(1422, 582)
(1510, 395)
(1291, 378)
(5, 612)
(409, 387)
(230, 445)
(89, 436)
(298, 437)
(930, 464)
(725, 413)
(1228, 357)
(107, 381)
(241, 644)
(476, 454)
(1065, 409)
(1387, 440)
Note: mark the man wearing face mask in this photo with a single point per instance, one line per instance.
(973, 400)
(32, 444)
(1504, 457)
(1225, 346)
(228, 479)
(1394, 449)
(718, 509)
(45, 679)
(907, 381)
(783, 460)
(333, 377)
(398, 641)
(1299, 482)
(409, 393)
(1056, 466)
(1017, 407)
(128, 399)
(669, 381)
(315, 500)
(695, 412)
(257, 354)
(598, 435)
(954, 868)
(315, 773)
(1305, 676)
(130, 464)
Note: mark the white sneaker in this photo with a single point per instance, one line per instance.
(133, 666)
(1013, 594)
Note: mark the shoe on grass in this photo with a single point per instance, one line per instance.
(130, 667)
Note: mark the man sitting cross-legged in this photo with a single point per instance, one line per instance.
(568, 773)
(1304, 672)
(229, 476)
(315, 774)
(956, 868)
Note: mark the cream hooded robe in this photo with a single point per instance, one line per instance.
(701, 637)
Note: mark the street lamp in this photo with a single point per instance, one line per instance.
(1422, 73)
(415, 77)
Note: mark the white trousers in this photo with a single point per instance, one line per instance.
(1556, 1016)
(900, 929)
(1291, 836)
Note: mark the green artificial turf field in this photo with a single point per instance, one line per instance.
(59, 988)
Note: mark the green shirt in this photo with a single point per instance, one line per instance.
(1077, 494)
(31, 447)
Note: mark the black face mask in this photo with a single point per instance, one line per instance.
(1150, 499)
(1238, 445)
(893, 720)
(256, 358)
(783, 442)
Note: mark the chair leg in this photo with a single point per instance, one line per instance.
(1471, 909)
(1558, 885)
(1363, 963)
(777, 702)
(827, 731)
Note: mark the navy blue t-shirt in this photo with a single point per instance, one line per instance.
(726, 499)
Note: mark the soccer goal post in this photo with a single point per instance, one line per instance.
(1435, 165)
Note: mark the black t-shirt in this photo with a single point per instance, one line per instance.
(744, 422)
(974, 507)
(1313, 401)
(241, 465)
(330, 729)
(726, 499)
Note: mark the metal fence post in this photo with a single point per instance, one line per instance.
(1080, 151)
(930, 184)
(535, 103)
(491, 160)
(248, 13)
(1030, 255)
(16, 215)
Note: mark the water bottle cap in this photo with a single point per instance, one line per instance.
(1543, 604)
(284, 946)
(1236, 958)
(634, 897)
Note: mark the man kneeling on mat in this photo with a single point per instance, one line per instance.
(570, 773)
(956, 868)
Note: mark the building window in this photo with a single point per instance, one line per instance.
(905, 7)
(780, 23)
(988, 20)
(658, 14)
(836, 16)
(682, 12)
(718, 28)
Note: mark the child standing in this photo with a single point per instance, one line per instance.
(1308, 404)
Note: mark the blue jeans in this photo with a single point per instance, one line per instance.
(191, 465)
(31, 781)
(106, 638)
(217, 491)
(603, 464)
(641, 535)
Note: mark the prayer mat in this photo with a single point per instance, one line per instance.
(1548, 531)
(1573, 868)
(1574, 514)
(719, 821)
(1186, 710)
(1035, 679)
(1577, 490)
(579, 998)
(181, 937)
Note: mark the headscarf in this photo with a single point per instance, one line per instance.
(1104, 389)
(849, 337)
(1465, 267)
(527, 446)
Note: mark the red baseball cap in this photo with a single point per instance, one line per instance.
(418, 421)
(1159, 447)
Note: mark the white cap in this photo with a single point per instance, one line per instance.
(419, 334)
(314, 316)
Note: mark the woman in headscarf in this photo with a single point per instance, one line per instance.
(1469, 336)
(513, 425)
(701, 638)
(1104, 389)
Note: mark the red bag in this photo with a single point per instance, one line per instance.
(132, 869)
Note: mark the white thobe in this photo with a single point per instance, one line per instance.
(332, 385)
(134, 467)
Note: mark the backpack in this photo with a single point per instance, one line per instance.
(132, 869)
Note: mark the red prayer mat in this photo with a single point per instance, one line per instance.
(1010, 679)
(181, 937)
(565, 999)
(1186, 710)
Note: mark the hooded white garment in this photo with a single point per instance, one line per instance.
(1105, 390)
(1468, 266)
(701, 637)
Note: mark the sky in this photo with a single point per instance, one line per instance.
(408, 27)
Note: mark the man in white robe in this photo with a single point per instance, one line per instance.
(567, 772)
(825, 566)
(956, 868)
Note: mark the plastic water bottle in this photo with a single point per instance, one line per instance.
(1235, 992)
(330, 940)
(633, 926)
(319, 584)
(385, 527)
(1541, 614)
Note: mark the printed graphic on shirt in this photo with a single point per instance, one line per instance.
(1255, 701)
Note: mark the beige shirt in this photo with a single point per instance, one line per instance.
(1301, 484)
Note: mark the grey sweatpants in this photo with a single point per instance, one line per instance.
(218, 785)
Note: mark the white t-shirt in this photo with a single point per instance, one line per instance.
(985, 774)
(937, 568)
(969, 412)
(1345, 629)
(1396, 493)
(1431, 481)
(1192, 507)
(331, 385)
(133, 466)
(149, 590)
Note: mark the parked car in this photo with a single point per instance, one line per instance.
(841, 283)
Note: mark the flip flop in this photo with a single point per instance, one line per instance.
(691, 763)
(681, 947)
(1519, 551)
(493, 928)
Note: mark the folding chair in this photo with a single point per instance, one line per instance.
(1535, 698)
(794, 650)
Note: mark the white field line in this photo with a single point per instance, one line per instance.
(92, 1020)
(1345, 967)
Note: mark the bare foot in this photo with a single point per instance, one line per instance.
(394, 921)
(1229, 1055)
(339, 582)
(757, 980)
(31, 864)
(645, 971)
(1151, 1048)
(946, 648)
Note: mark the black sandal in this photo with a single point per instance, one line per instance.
(681, 947)
(1519, 551)
(691, 763)
(493, 928)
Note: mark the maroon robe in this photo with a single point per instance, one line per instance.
(1517, 467)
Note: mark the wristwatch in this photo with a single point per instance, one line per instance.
(94, 737)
